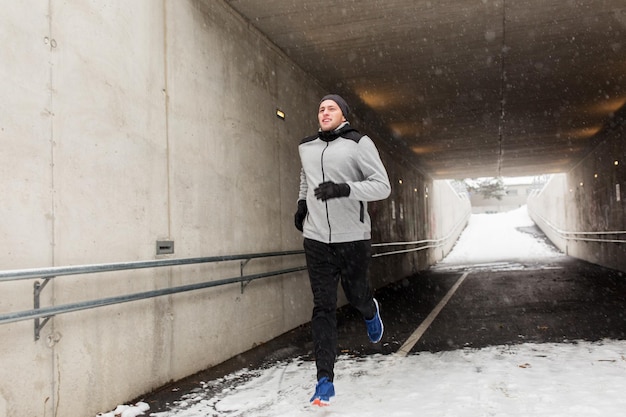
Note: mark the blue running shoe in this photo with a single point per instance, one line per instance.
(375, 326)
(323, 391)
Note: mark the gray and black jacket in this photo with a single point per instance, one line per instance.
(341, 156)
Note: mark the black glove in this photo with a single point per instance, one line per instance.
(300, 214)
(329, 189)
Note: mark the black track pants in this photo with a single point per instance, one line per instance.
(327, 265)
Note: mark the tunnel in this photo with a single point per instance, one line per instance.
(151, 146)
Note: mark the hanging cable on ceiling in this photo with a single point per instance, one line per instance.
(503, 50)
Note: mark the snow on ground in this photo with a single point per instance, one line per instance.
(549, 380)
(495, 237)
(553, 380)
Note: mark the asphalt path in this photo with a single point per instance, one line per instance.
(560, 300)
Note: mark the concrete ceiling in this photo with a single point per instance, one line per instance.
(467, 88)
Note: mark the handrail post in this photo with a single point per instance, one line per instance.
(37, 289)
(242, 265)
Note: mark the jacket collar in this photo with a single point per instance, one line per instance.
(334, 134)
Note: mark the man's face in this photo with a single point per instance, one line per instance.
(330, 115)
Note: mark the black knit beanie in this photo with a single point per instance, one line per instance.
(345, 109)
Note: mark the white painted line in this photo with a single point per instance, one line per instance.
(419, 332)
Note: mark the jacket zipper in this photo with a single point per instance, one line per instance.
(330, 232)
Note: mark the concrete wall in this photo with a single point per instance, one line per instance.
(403, 217)
(451, 213)
(589, 199)
(123, 123)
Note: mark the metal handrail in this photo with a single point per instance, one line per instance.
(45, 312)
(430, 243)
(49, 273)
(19, 274)
(570, 235)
